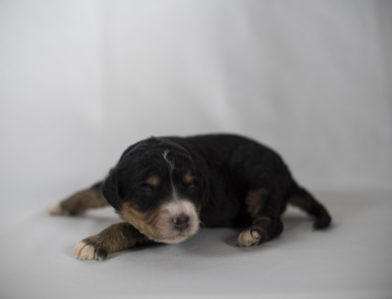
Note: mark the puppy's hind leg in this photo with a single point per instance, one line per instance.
(302, 199)
(264, 209)
(79, 202)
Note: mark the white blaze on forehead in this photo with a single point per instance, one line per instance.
(171, 167)
(175, 208)
(171, 164)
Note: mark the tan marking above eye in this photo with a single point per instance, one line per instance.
(152, 180)
(188, 177)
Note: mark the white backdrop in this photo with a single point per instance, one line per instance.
(81, 80)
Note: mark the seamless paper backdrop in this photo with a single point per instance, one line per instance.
(81, 80)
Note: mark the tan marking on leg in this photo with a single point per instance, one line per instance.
(254, 201)
(302, 202)
(78, 203)
(262, 220)
(261, 224)
(115, 238)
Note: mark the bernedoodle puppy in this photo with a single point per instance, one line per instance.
(165, 188)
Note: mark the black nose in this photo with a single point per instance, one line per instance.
(181, 222)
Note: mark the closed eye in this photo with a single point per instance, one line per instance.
(191, 186)
(146, 188)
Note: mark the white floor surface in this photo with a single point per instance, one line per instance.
(350, 260)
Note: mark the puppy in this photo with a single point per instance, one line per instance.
(165, 188)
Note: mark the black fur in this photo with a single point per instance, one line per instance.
(225, 169)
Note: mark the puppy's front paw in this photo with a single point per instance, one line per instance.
(88, 249)
(248, 238)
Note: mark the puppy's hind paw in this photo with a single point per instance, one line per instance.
(55, 208)
(248, 237)
(87, 251)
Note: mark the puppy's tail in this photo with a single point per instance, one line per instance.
(302, 199)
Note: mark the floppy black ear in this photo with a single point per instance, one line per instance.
(110, 190)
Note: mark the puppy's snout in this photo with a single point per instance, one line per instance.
(181, 222)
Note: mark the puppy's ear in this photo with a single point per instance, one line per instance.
(110, 190)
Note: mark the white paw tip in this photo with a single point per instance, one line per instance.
(83, 251)
(248, 238)
(54, 208)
